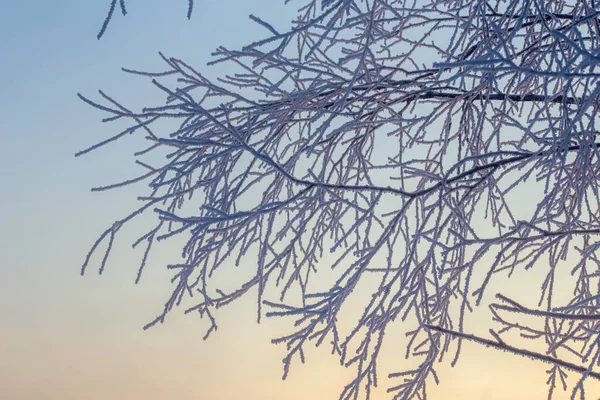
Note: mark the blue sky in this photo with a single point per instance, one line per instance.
(64, 336)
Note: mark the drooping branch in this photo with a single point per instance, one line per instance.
(515, 307)
(111, 11)
(500, 345)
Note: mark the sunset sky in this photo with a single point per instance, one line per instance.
(68, 337)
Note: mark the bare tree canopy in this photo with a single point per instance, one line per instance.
(417, 155)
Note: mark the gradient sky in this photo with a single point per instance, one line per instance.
(63, 336)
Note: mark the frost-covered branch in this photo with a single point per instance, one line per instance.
(399, 155)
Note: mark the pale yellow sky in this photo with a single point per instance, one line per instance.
(94, 348)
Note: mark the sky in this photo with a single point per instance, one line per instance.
(64, 336)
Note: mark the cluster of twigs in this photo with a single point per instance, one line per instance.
(431, 147)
